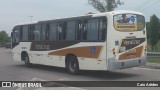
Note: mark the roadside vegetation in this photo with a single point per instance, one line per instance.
(153, 34)
(153, 60)
(4, 38)
(157, 47)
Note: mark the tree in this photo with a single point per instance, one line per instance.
(148, 29)
(4, 38)
(154, 31)
(104, 5)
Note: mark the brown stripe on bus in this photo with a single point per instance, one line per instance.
(131, 55)
(79, 52)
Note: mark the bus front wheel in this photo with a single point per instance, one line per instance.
(72, 65)
(26, 61)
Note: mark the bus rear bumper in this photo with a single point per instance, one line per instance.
(114, 64)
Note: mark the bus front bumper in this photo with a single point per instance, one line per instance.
(114, 64)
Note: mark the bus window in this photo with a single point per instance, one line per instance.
(129, 22)
(53, 31)
(79, 30)
(71, 26)
(92, 32)
(45, 31)
(21, 33)
(102, 28)
(85, 23)
(64, 28)
(16, 35)
(59, 31)
(37, 31)
(62, 31)
(30, 33)
(25, 33)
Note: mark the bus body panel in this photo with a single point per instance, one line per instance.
(114, 36)
(96, 55)
(45, 58)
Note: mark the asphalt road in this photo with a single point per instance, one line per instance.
(16, 71)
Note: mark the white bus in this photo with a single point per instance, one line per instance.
(103, 41)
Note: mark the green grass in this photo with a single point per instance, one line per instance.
(153, 60)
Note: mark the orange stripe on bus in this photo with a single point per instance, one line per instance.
(79, 52)
(131, 55)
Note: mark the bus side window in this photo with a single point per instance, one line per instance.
(53, 31)
(85, 26)
(21, 33)
(62, 31)
(102, 29)
(16, 35)
(30, 33)
(47, 34)
(45, 31)
(79, 30)
(92, 31)
(70, 34)
(59, 31)
(25, 33)
(37, 32)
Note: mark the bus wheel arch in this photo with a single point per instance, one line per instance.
(72, 64)
(23, 54)
(25, 58)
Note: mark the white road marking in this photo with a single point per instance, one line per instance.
(63, 79)
(37, 79)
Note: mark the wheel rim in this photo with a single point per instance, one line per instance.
(72, 66)
(26, 60)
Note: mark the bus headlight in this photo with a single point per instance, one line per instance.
(122, 49)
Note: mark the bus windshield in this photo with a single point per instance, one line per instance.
(129, 22)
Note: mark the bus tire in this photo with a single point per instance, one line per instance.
(72, 65)
(27, 61)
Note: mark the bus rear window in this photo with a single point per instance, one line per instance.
(129, 22)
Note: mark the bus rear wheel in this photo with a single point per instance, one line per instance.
(27, 61)
(72, 65)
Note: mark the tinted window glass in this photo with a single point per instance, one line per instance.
(79, 30)
(92, 32)
(62, 27)
(102, 29)
(60, 35)
(53, 31)
(85, 28)
(70, 35)
(45, 31)
(30, 32)
(16, 35)
(37, 32)
(25, 33)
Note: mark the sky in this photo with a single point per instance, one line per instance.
(13, 12)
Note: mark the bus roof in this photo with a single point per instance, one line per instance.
(87, 15)
(27, 23)
(124, 11)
